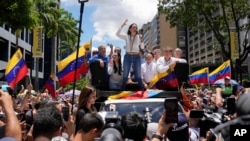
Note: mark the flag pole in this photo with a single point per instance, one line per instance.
(77, 49)
(209, 87)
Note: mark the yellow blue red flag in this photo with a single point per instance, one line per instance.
(16, 69)
(164, 80)
(66, 67)
(50, 85)
(221, 72)
(199, 76)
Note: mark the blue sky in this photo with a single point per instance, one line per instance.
(102, 18)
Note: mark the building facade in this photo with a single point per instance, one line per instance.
(38, 75)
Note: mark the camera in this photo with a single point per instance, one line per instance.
(112, 130)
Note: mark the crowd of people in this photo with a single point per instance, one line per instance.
(139, 64)
(35, 116)
(29, 116)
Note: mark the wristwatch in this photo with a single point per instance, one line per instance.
(157, 137)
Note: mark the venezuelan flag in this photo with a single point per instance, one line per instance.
(199, 76)
(222, 71)
(164, 80)
(66, 67)
(50, 85)
(135, 95)
(16, 69)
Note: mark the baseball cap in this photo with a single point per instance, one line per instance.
(227, 77)
(181, 131)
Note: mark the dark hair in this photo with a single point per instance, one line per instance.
(128, 32)
(47, 121)
(119, 69)
(134, 126)
(84, 96)
(90, 121)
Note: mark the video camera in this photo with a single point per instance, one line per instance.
(112, 130)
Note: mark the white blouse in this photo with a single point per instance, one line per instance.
(132, 43)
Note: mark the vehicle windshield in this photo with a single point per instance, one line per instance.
(155, 108)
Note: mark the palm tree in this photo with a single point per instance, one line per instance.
(57, 23)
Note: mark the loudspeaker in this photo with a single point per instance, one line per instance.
(182, 72)
(99, 75)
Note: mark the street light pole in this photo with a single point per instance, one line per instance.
(82, 2)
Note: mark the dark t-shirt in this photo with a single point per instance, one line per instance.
(80, 113)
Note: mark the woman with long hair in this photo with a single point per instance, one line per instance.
(133, 46)
(115, 72)
(86, 103)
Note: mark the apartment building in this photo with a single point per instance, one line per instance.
(37, 72)
(158, 34)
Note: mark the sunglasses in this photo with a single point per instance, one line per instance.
(168, 50)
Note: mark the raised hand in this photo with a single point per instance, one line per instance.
(125, 22)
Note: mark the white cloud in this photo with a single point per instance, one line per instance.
(110, 14)
(70, 2)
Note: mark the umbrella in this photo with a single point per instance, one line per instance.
(70, 93)
(222, 82)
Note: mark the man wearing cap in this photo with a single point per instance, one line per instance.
(226, 90)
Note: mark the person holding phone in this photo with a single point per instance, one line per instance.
(12, 130)
(162, 128)
(133, 46)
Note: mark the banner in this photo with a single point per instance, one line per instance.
(37, 50)
(234, 45)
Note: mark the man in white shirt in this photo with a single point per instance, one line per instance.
(178, 54)
(166, 61)
(148, 69)
(157, 54)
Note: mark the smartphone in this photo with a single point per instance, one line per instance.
(196, 114)
(171, 106)
(65, 112)
(6, 88)
(231, 105)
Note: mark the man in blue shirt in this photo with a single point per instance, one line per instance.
(99, 68)
(101, 56)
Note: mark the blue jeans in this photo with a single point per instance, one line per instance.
(114, 86)
(127, 62)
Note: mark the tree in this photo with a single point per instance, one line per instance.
(18, 15)
(58, 25)
(220, 16)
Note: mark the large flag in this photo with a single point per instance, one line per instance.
(50, 85)
(164, 80)
(221, 72)
(199, 76)
(66, 67)
(135, 95)
(16, 69)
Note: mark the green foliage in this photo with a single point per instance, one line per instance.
(17, 14)
(84, 81)
(220, 16)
